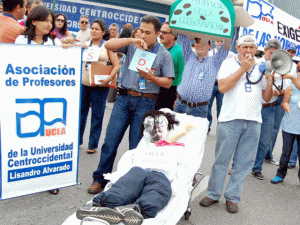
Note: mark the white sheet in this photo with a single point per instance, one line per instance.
(194, 148)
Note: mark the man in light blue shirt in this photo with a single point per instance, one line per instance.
(198, 77)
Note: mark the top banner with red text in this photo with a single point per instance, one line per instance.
(271, 22)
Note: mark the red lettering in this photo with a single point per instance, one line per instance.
(142, 62)
(91, 55)
(53, 132)
(63, 131)
(48, 132)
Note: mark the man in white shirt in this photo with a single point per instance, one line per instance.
(239, 123)
(84, 35)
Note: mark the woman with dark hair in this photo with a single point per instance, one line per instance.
(136, 33)
(29, 6)
(126, 32)
(91, 95)
(61, 27)
(39, 25)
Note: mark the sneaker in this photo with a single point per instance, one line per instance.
(290, 166)
(258, 175)
(272, 161)
(131, 216)
(107, 214)
(276, 180)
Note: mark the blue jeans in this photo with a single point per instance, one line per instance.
(268, 115)
(287, 147)
(279, 113)
(294, 154)
(151, 190)
(239, 138)
(199, 111)
(128, 110)
(94, 97)
(219, 98)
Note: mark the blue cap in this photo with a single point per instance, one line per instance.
(291, 46)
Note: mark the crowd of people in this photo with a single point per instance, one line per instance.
(183, 79)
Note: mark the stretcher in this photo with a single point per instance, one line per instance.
(189, 183)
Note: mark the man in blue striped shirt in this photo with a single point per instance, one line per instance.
(198, 77)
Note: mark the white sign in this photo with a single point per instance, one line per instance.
(143, 59)
(271, 22)
(40, 102)
(91, 54)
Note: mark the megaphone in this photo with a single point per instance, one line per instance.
(281, 62)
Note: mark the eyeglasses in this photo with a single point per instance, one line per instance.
(165, 32)
(59, 20)
(86, 22)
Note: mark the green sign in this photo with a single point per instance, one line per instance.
(212, 17)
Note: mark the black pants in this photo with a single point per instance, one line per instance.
(288, 142)
(151, 190)
(166, 97)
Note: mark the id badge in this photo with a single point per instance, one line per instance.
(248, 87)
(201, 75)
(142, 83)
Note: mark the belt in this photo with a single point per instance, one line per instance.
(139, 94)
(192, 104)
(266, 105)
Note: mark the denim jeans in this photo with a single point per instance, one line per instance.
(279, 113)
(268, 115)
(127, 111)
(294, 154)
(151, 190)
(239, 138)
(219, 98)
(287, 147)
(199, 111)
(94, 97)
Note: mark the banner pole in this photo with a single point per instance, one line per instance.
(53, 5)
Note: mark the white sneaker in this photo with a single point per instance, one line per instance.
(272, 161)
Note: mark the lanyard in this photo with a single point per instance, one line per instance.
(169, 49)
(248, 73)
(154, 49)
(101, 43)
(8, 15)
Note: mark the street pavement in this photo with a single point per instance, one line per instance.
(262, 203)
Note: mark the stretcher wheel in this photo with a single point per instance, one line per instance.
(187, 215)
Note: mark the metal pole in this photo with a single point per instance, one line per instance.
(53, 5)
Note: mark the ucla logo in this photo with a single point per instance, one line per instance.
(261, 9)
(42, 123)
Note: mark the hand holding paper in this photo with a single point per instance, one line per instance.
(147, 75)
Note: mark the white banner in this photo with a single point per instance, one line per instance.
(271, 22)
(40, 102)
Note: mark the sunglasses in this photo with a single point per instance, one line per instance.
(82, 22)
(59, 20)
(165, 32)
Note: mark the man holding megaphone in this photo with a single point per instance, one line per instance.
(239, 123)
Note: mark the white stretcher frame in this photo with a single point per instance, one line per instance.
(182, 190)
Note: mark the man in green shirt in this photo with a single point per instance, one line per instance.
(167, 97)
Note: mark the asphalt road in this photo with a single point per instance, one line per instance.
(262, 203)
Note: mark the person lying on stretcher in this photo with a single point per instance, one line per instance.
(146, 188)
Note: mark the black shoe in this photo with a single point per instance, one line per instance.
(112, 216)
(258, 175)
(290, 166)
(132, 216)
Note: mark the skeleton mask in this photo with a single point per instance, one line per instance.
(156, 128)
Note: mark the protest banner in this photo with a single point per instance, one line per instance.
(40, 102)
(212, 20)
(110, 13)
(271, 22)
